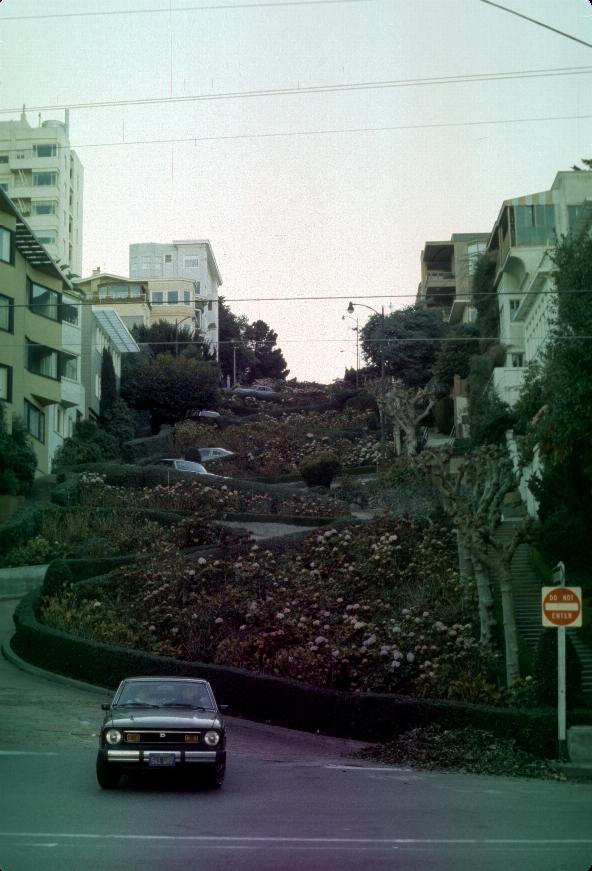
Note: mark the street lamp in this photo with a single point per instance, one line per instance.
(356, 329)
(350, 310)
(177, 322)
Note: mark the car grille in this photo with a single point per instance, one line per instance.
(162, 737)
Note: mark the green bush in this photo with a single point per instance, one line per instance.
(17, 458)
(88, 444)
(58, 574)
(320, 469)
(22, 527)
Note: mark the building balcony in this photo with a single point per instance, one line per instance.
(71, 394)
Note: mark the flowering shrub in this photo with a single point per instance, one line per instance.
(204, 501)
(375, 607)
(272, 446)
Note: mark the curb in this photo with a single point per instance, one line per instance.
(9, 654)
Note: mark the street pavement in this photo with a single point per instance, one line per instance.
(291, 802)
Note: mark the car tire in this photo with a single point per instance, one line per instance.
(106, 776)
(215, 775)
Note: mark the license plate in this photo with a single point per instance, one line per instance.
(161, 760)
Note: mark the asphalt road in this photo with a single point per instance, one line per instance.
(291, 802)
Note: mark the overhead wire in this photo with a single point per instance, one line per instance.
(538, 23)
(209, 8)
(469, 78)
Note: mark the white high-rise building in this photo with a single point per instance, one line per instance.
(182, 279)
(43, 176)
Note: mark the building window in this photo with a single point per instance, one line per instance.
(42, 360)
(43, 179)
(44, 301)
(168, 258)
(44, 207)
(20, 155)
(45, 150)
(173, 297)
(5, 382)
(535, 225)
(6, 314)
(190, 262)
(6, 245)
(3, 158)
(34, 421)
(471, 315)
(46, 237)
(517, 360)
(514, 306)
(69, 313)
(69, 366)
(157, 297)
(59, 420)
(197, 286)
(475, 251)
(187, 297)
(209, 306)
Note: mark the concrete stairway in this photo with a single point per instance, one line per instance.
(527, 603)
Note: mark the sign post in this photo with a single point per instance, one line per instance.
(561, 607)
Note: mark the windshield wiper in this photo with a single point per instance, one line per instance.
(135, 705)
(185, 705)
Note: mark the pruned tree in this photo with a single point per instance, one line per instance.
(472, 494)
(406, 407)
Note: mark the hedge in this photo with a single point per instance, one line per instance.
(367, 717)
(22, 526)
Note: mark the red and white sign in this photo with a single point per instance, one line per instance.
(562, 606)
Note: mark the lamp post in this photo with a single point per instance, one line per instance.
(356, 329)
(177, 322)
(350, 310)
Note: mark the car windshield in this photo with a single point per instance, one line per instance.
(156, 694)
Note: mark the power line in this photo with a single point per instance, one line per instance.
(168, 10)
(538, 23)
(477, 295)
(316, 89)
(334, 131)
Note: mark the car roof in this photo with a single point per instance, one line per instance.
(164, 677)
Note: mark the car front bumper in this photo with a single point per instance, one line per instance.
(139, 758)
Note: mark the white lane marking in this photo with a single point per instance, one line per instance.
(366, 768)
(264, 839)
(26, 753)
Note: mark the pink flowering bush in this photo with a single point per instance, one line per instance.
(365, 608)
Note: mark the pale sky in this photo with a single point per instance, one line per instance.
(302, 194)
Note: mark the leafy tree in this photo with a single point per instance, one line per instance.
(409, 339)
(17, 458)
(169, 387)
(269, 361)
(454, 356)
(164, 337)
(484, 299)
(108, 383)
(234, 354)
(561, 427)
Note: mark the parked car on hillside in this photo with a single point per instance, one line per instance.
(162, 723)
(210, 454)
(180, 465)
(208, 414)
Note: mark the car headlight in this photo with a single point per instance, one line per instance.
(113, 736)
(212, 738)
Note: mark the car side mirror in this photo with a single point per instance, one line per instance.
(105, 707)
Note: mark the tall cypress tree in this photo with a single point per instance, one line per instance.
(108, 384)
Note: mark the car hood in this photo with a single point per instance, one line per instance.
(149, 718)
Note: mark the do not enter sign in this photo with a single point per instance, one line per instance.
(562, 606)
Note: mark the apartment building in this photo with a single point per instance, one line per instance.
(129, 298)
(522, 239)
(102, 330)
(183, 281)
(446, 272)
(40, 338)
(43, 176)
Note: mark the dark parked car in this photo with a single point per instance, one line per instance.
(162, 723)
